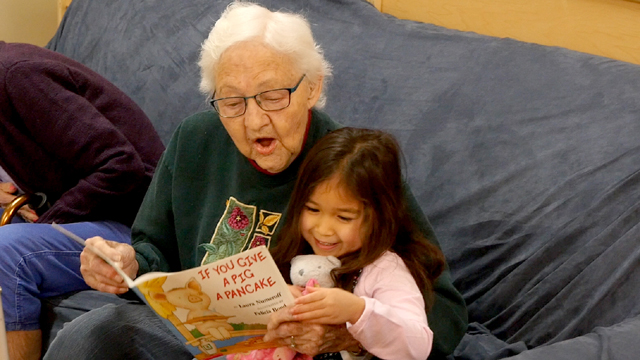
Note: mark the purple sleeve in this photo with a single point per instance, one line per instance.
(67, 125)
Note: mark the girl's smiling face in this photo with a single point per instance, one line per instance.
(332, 220)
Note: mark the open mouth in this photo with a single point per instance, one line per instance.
(265, 146)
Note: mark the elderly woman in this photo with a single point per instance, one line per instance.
(223, 173)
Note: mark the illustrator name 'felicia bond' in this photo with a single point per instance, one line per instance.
(269, 311)
(238, 279)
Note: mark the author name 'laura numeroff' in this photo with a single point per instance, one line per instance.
(269, 299)
(260, 301)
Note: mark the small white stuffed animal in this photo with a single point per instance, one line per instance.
(305, 268)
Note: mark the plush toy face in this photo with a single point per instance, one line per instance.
(306, 267)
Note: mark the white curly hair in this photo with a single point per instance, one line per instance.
(285, 32)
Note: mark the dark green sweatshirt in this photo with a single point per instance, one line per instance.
(205, 189)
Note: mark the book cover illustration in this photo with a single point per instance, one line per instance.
(217, 309)
(220, 308)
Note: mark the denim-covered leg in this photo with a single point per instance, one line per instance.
(37, 261)
(59, 310)
(126, 331)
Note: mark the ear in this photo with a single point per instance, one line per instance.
(315, 89)
(334, 260)
(193, 284)
(295, 260)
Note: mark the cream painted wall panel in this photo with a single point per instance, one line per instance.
(608, 28)
(30, 21)
(62, 7)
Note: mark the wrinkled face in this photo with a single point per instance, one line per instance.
(332, 220)
(273, 139)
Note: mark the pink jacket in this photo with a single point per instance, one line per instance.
(394, 323)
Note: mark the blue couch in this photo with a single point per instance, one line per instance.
(524, 157)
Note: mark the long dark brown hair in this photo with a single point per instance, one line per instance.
(368, 164)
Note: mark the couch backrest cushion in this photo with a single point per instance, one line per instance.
(524, 157)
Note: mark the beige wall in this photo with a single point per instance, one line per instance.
(603, 27)
(30, 21)
(608, 28)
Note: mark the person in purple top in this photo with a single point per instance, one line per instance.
(86, 152)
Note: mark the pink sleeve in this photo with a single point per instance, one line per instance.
(394, 323)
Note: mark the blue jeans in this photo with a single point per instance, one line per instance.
(37, 261)
(112, 332)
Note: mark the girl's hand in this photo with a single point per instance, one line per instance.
(100, 275)
(328, 306)
(296, 290)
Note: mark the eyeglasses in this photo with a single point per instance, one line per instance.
(270, 100)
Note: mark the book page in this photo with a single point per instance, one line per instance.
(219, 308)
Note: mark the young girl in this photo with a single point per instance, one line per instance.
(349, 202)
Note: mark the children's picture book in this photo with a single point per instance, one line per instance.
(217, 309)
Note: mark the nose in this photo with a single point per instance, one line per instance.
(323, 226)
(254, 117)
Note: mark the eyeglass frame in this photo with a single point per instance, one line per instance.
(291, 90)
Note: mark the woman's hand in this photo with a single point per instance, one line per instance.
(309, 338)
(331, 306)
(27, 213)
(7, 195)
(7, 191)
(100, 275)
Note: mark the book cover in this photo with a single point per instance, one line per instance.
(219, 308)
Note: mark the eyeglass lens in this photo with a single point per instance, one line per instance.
(269, 101)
